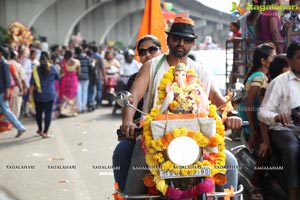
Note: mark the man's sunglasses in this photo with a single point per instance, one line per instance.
(177, 38)
(151, 50)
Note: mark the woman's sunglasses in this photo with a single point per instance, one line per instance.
(151, 50)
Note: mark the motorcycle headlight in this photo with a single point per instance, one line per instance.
(183, 151)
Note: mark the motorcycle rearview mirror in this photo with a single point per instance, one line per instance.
(123, 98)
(237, 91)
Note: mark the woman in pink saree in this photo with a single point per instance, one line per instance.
(68, 86)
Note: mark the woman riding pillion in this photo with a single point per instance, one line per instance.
(148, 47)
(180, 40)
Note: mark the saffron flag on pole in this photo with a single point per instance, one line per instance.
(153, 23)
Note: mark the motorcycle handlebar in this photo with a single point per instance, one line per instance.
(245, 123)
(137, 132)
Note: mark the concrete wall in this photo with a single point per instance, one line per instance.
(115, 20)
(101, 20)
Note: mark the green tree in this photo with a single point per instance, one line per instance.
(4, 36)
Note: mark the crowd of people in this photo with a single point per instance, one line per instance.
(269, 109)
(58, 82)
(268, 106)
(269, 25)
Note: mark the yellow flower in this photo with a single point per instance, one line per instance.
(212, 110)
(166, 81)
(161, 88)
(190, 71)
(201, 140)
(168, 165)
(161, 96)
(155, 111)
(171, 69)
(176, 132)
(161, 185)
(184, 171)
(159, 157)
(169, 76)
(183, 131)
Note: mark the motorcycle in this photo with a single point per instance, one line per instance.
(184, 156)
(110, 84)
(272, 186)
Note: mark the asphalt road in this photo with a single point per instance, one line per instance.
(74, 164)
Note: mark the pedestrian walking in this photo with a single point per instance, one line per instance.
(5, 84)
(70, 68)
(42, 92)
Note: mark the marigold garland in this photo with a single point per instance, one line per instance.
(19, 34)
(155, 147)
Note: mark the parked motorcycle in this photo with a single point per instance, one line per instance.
(110, 84)
(184, 161)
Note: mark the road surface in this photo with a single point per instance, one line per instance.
(75, 164)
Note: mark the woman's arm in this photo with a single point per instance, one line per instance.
(249, 105)
(138, 89)
(275, 33)
(30, 97)
(17, 81)
(14, 74)
(265, 145)
(78, 67)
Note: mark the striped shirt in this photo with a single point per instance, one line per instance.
(84, 67)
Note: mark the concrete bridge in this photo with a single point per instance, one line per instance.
(103, 20)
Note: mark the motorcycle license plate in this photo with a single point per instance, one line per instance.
(203, 172)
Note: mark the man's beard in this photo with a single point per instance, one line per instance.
(179, 54)
(129, 61)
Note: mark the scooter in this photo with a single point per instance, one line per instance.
(183, 152)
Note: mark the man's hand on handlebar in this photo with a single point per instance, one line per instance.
(128, 129)
(283, 118)
(233, 122)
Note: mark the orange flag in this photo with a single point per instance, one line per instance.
(153, 23)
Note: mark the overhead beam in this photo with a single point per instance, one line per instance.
(42, 9)
(200, 23)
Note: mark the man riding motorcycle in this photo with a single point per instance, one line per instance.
(181, 38)
(281, 99)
